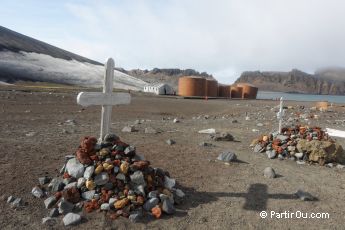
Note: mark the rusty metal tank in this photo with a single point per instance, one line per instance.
(211, 88)
(248, 91)
(236, 91)
(224, 90)
(192, 86)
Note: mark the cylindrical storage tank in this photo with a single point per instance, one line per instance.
(224, 90)
(211, 88)
(322, 105)
(192, 86)
(236, 91)
(248, 91)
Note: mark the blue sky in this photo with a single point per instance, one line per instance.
(222, 37)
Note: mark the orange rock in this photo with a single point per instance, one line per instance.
(121, 203)
(157, 212)
(124, 167)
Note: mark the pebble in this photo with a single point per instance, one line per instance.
(54, 212)
(16, 203)
(81, 182)
(89, 171)
(271, 154)
(282, 137)
(169, 183)
(330, 165)
(150, 130)
(227, 156)
(305, 196)
(88, 195)
(102, 178)
(128, 129)
(71, 185)
(43, 180)
(138, 178)
(105, 207)
(151, 203)
(339, 166)
(31, 134)
(49, 202)
(205, 144)
(168, 207)
(75, 168)
(65, 206)
(259, 124)
(48, 221)
(269, 172)
(153, 194)
(170, 142)
(207, 131)
(37, 192)
(134, 218)
(176, 120)
(10, 199)
(299, 155)
(71, 219)
(300, 162)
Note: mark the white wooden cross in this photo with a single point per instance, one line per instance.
(106, 99)
(280, 115)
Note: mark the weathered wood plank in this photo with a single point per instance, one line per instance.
(97, 98)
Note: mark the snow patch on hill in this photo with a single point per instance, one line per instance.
(42, 67)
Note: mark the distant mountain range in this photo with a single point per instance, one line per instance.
(325, 81)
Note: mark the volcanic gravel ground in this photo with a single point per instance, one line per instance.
(218, 196)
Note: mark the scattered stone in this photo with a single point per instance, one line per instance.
(271, 154)
(207, 131)
(111, 138)
(234, 121)
(205, 144)
(259, 124)
(48, 221)
(282, 137)
(134, 218)
(31, 134)
(168, 207)
(88, 195)
(105, 207)
(37, 192)
(170, 142)
(71, 219)
(151, 203)
(54, 212)
(10, 199)
(305, 196)
(128, 129)
(150, 130)
(299, 155)
(81, 182)
(16, 203)
(70, 122)
(269, 172)
(299, 162)
(340, 166)
(50, 202)
(176, 120)
(75, 168)
(43, 180)
(258, 148)
(102, 178)
(71, 185)
(330, 165)
(65, 206)
(138, 178)
(153, 194)
(89, 171)
(223, 136)
(169, 183)
(227, 156)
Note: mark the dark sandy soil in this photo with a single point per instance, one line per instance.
(218, 196)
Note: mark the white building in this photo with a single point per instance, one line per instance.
(159, 89)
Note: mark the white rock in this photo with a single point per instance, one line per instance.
(207, 131)
(105, 207)
(81, 182)
(37, 192)
(71, 219)
(169, 182)
(102, 178)
(269, 172)
(75, 168)
(89, 171)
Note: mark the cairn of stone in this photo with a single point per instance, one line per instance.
(301, 143)
(109, 176)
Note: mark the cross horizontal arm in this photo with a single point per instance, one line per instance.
(97, 98)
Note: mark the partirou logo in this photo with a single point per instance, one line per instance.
(294, 215)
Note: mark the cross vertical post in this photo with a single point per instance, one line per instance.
(107, 90)
(280, 115)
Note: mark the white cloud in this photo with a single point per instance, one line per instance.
(222, 37)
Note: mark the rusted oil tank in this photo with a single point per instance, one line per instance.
(224, 90)
(211, 88)
(249, 91)
(192, 86)
(236, 91)
(322, 105)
